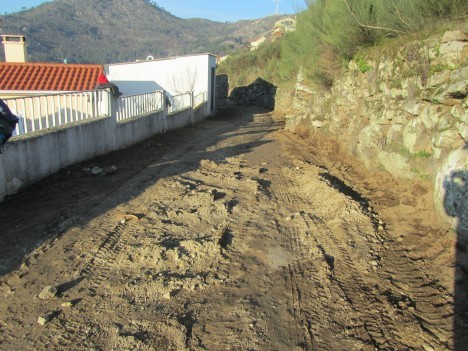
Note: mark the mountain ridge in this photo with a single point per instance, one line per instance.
(109, 31)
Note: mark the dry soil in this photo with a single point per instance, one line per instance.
(232, 234)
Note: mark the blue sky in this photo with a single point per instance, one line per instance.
(217, 10)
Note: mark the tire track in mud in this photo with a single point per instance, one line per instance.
(381, 333)
(432, 303)
(317, 307)
(66, 332)
(379, 327)
(98, 268)
(303, 279)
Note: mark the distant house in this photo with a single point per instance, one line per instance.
(19, 78)
(32, 79)
(284, 25)
(37, 88)
(287, 24)
(176, 76)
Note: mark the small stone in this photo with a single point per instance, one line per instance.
(317, 124)
(96, 170)
(110, 170)
(67, 304)
(48, 293)
(43, 320)
(167, 296)
(381, 228)
(7, 290)
(399, 239)
(288, 218)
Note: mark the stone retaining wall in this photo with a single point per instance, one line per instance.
(222, 90)
(259, 93)
(406, 113)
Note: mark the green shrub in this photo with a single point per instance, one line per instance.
(422, 154)
(363, 66)
(331, 32)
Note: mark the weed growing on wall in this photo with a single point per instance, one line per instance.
(362, 65)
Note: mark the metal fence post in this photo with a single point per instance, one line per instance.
(112, 108)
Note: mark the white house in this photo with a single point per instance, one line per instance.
(177, 75)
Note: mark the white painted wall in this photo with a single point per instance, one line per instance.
(174, 75)
(31, 157)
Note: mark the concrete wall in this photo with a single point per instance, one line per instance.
(200, 113)
(174, 75)
(27, 159)
(134, 130)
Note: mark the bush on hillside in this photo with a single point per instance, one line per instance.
(330, 33)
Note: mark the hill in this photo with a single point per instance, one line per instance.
(107, 31)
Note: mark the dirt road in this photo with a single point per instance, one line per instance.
(228, 235)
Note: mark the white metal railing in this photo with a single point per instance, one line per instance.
(136, 105)
(47, 111)
(199, 99)
(179, 102)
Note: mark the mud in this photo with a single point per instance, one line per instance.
(229, 235)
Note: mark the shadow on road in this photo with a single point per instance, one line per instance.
(72, 198)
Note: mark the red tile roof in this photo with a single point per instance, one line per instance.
(48, 76)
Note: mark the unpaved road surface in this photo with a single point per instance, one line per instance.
(229, 235)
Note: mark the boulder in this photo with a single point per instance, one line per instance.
(438, 79)
(458, 90)
(463, 131)
(454, 44)
(48, 293)
(448, 139)
(394, 134)
(395, 164)
(371, 141)
(454, 35)
(416, 137)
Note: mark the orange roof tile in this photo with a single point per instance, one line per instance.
(48, 76)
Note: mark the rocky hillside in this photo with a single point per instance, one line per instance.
(405, 112)
(107, 31)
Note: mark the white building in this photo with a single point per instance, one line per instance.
(176, 76)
